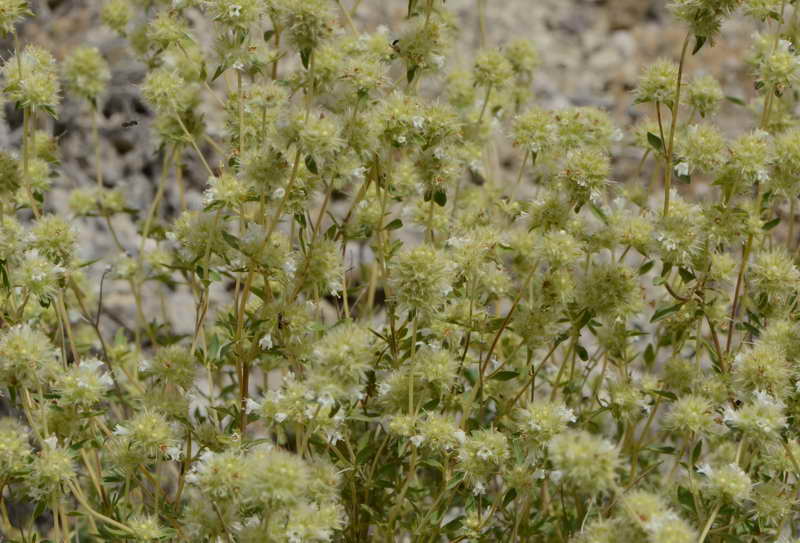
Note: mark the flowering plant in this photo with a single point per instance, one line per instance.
(391, 338)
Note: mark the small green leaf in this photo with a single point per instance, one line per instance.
(440, 197)
(649, 354)
(697, 450)
(268, 35)
(510, 495)
(699, 41)
(664, 311)
(230, 239)
(218, 72)
(685, 498)
(305, 57)
(655, 142)
(661, 450)
(410, 73)
(394, 225)
(646, 267)
(583, 354)
(769, 225)
(665, 394)
(505, 375)
(311, 164)
(735, 100)
(686, 274)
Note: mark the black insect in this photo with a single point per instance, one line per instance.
(128, 124)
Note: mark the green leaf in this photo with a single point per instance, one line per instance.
(685, 498)
(268, 34)
(305, 57)
(510, 495)
(665, 394)
(4, 274)
(311, 164)
(699, 41)
(661, 450)
(598, 212)
(230, 239)
(410, 73)
(646, 267)
(697, 450)
(218, 72)
(583, 354)
(649, 354)
(664, 311)
(505, 375)
(735, 100)
(440, 197)
(769, 225)
(394, 225)
(655, 142)
(686, 275)
(455, 481)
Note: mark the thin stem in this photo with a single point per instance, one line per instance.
(485, 103)
(709, 522)
(672, 128)
(98, 164)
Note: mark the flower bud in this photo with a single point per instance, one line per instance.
(587, 461)
(492, 69)
(658, 83)
(116, 14)
(32, 79)
(705, 95)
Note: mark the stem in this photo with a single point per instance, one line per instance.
(709, 522)
(675, 106)
(485, 103)
(97, 160)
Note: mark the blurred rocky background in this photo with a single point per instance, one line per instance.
(592, 51)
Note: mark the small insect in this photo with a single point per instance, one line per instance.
(129, 124)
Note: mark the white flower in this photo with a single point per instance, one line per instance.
(705, 469)
(279, 193)
(280, 417)
(479, 489)
(417, 440)
(251, 406)
(121, 430)
(235, 10)
(174, 453)
(682, 169)
(566, 414)
(484, 454)
(358, 173)
(438, 61)
(265, 342)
